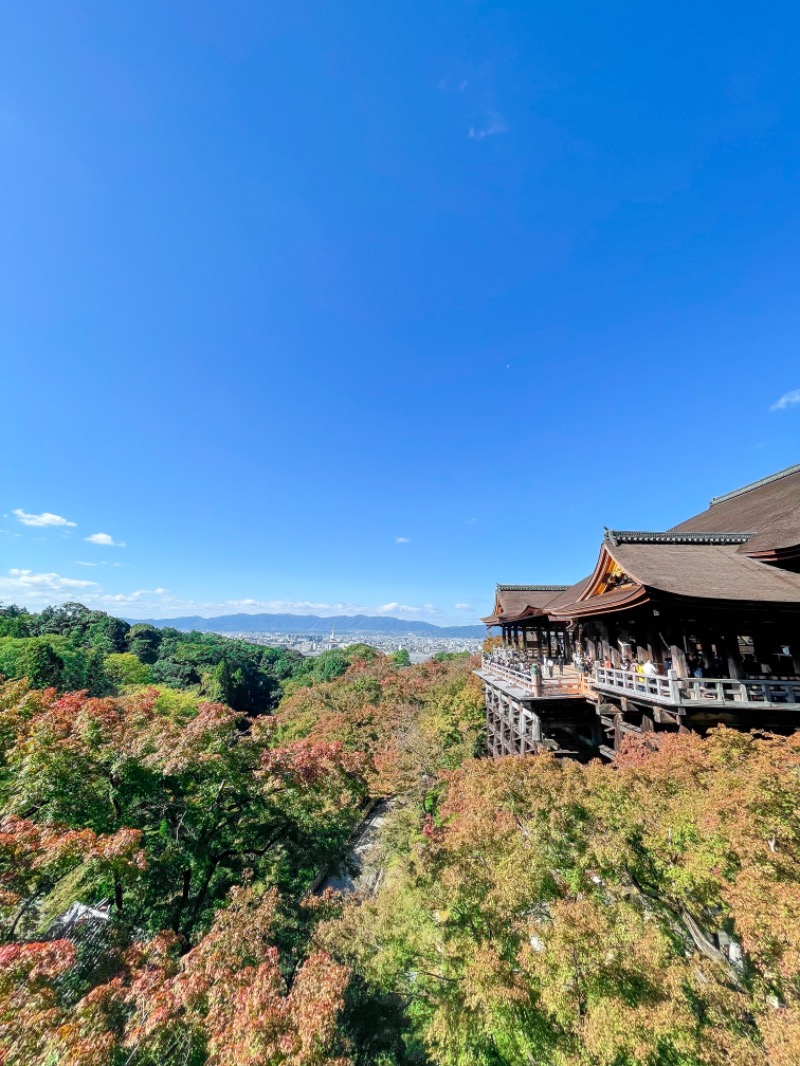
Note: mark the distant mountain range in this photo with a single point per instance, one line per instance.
(312, 624)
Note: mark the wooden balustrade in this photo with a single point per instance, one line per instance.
(539, 688)
(677, 691)
(732, 690)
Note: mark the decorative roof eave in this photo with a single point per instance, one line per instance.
(615, 537)
(595, 605)
(776, 556)
(530, 613)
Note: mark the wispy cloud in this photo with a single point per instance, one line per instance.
(789, 399)
(453, 83)
(402, 540)
(462, 606)
(105, 540)
(43, 519)
(490, 124)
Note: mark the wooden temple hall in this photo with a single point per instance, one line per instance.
(682, 629)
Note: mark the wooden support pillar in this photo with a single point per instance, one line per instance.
(536, 730)
(794, 647)
(653, 650)
(761, 648)
(731, 645)
(609, 650)
(678, 654)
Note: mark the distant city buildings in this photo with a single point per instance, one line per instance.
(419, 647)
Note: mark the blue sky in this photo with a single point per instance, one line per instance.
(324, 307)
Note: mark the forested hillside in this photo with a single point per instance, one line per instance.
(73, 648)
(527, 910)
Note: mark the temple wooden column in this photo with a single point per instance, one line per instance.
(678, 654)
(730, 642)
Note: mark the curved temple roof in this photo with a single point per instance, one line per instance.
(726, 553)
(514, 602)
(770, 508)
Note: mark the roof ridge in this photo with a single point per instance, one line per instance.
(532, 588)
(756, 484)
(631, 536)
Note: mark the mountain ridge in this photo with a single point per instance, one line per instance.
(312, 624)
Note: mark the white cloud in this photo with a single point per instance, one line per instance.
(491, 124)
(105, 540)
(40, 585)
(462, 606)
(789, 399)
(43, 519)
(403, 609)
(402, 540)
(35, 591)
(124, 599)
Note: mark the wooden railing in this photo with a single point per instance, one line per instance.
(661, 689)
(729, 690)
(508, 673)
(693, 690)
(541, 687)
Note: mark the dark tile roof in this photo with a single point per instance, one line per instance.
(706, 571)
(568, 595)
(714, 555)
(769, 509)
(559, 606)
(513, 602)
(627, 536)
(618, 598)
(531, 588)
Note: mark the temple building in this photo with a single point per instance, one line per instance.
(681, 629)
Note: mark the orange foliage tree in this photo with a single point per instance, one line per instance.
(552, 912)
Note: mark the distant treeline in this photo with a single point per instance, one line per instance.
(74, 648)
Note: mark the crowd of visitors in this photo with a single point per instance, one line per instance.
(552, 663)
